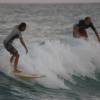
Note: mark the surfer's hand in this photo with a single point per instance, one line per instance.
(99, 40)
(98, 37)
(26, 50)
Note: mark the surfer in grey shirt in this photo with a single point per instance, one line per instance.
(15, 34)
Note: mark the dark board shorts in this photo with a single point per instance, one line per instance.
(10, 48)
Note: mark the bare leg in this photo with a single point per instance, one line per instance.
(16, 63)
(12, 58)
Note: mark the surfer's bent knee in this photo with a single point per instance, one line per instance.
(16, 54)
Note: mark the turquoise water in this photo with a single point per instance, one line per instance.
(12, 89)
(71, 66)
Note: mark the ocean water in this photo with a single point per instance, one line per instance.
(71, 66)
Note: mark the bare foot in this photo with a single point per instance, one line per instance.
(17, 71)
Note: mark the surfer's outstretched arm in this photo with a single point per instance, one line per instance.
(96, 32)
(97, 35)
(24, 45)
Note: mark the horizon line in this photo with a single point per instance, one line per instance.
(49, 2)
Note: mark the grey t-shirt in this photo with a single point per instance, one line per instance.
(13, 35)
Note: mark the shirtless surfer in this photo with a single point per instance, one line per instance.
(79, 30)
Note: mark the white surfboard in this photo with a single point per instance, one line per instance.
(28, 76)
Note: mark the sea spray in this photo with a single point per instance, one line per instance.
(58, 60)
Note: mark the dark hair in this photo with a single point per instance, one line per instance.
(22, 24)
(86, 18)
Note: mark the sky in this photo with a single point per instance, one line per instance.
(48, 1)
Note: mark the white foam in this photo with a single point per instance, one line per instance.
(58, 60)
